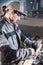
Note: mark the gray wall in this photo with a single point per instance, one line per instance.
(32, 22)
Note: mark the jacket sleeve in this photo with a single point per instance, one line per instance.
(3, 40)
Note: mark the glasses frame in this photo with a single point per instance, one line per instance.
(17, 12)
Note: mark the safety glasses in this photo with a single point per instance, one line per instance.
(17, 12)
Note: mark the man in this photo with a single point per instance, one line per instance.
(11, 36)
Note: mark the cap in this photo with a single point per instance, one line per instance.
(15, 6)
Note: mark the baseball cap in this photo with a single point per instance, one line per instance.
(13, 6)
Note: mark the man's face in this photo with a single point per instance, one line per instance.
(15, 16)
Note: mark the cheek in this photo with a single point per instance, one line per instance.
(11, 16)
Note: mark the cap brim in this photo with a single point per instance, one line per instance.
(20, 12)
